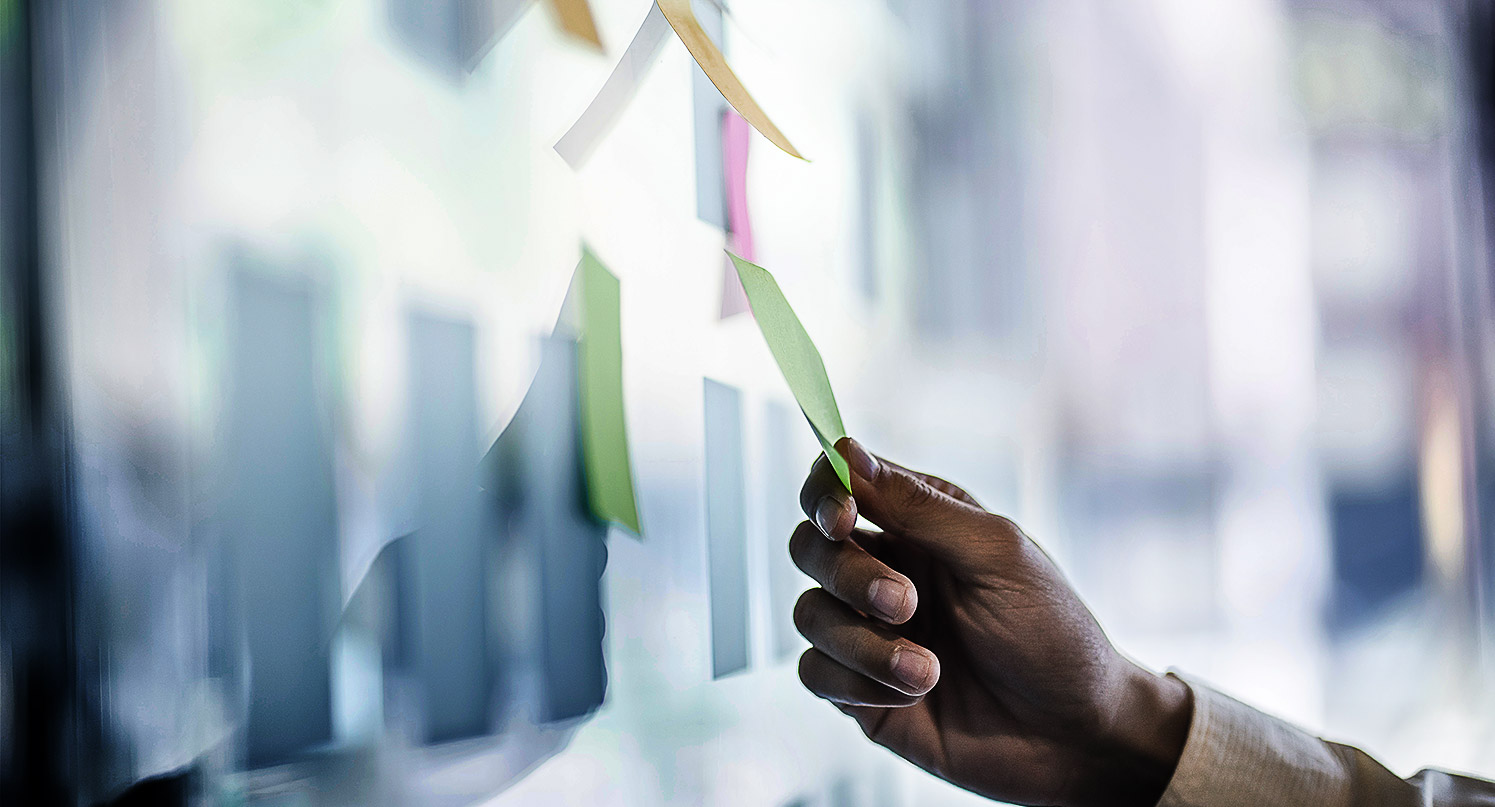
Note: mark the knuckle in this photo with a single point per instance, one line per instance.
(1007, 527)
(865, 648)
(1004, 533)
(838, 574)
(917, 493)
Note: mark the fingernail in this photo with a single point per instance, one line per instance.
(888, 597)
(862, 462)
(827, 513)
(912, 667)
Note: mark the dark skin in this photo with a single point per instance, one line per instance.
(953, 640)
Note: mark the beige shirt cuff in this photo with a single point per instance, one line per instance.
(1236, 756)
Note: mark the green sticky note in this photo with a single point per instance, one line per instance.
(604, 433)
(797, 358)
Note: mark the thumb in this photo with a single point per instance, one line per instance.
(906, 504)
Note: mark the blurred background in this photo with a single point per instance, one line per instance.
(1199, 293)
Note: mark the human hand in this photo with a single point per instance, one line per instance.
(953, 640)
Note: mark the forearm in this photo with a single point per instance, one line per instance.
(1237, 756)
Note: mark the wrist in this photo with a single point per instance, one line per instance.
(1151, 727)
(1133, 758)
(1152, 722)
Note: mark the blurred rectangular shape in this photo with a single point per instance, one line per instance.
(1376, 547)
(708, 107)
(448, 561)
(868, 151)
(453, 35)
(736, 137)
(726, 531)
(281, 510)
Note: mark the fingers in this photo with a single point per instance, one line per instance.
(950, 489)
(908, 504)
(831, 508)
(853, 576)
(863, 646)
(827, 502)
(838, 683)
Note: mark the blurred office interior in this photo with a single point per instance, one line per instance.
(1198, 293)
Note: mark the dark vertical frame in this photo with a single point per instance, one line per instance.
(1475, 301)
(39, 740)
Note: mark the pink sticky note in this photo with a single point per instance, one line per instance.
(735, 137)
(736, 134)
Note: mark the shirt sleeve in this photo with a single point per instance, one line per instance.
(1236, 756)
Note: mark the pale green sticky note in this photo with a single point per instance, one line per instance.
(604, 433)
(798, 359)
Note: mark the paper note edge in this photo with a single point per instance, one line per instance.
(782, 140)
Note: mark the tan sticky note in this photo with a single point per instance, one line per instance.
(710, 58)
(575, 17)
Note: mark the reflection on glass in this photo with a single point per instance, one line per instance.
(535, 469)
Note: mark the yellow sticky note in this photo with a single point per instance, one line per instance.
(710, 58)
(575, 17)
